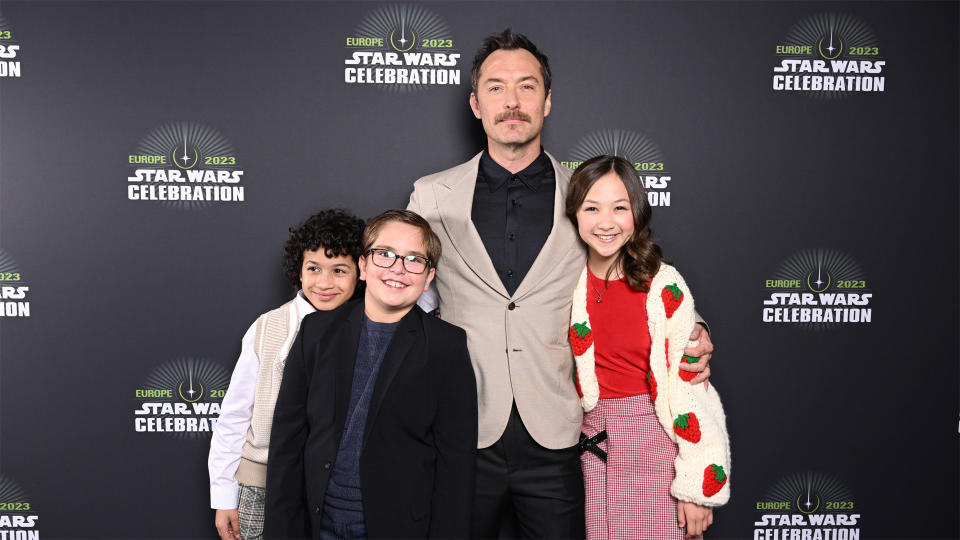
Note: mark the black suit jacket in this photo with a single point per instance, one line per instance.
(419, 444)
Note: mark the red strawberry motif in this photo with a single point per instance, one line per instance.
(713, 480)
(672, 296)
(580, 338)
(689, 375)
(653, 386)
(687, 426)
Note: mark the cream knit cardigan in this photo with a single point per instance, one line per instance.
(696, 464)
(276, 331)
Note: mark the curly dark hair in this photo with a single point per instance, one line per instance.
(640, 257)
(338, 231)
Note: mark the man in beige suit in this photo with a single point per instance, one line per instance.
(510, 262)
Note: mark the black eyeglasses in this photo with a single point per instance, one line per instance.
(384, 258)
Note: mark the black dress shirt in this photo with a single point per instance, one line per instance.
(513, 214)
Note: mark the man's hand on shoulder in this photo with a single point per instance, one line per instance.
(703, 351)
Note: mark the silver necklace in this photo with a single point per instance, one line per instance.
(599, 294)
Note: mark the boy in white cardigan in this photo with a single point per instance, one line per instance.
(320, 261)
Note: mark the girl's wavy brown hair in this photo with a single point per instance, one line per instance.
(640, 257)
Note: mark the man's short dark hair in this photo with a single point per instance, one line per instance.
(508, 41)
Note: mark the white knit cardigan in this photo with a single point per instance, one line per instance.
(276, 331)
(696, 462)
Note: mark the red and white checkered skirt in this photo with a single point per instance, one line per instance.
(628, 497)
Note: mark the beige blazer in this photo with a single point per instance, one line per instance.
(518, 344)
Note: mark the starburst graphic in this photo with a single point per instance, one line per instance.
(189, 379)
(7, 264)
(819, 261)
(831, 35)
(808, 491)
(10, 491)
(187, 143)
(632, 146)
(405, 27)
(171, 374)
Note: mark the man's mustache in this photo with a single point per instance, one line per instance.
(511, 115)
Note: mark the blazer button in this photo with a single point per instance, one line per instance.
(316, 509)
(512, 306)
(326, 466)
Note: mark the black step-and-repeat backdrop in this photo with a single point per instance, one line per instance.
(801, 158)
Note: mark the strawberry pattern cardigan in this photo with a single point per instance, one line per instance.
(691, 414)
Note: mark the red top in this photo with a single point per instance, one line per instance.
(621, 337)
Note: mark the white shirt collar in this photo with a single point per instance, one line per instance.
(304, 307)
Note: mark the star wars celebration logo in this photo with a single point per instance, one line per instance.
(185, 165)
(636, 148)
(807, 506)
(402, 47)
(182, 398)
(829, 55)
(9, 51)
(817, 289)
(13, 289)
(18, 517)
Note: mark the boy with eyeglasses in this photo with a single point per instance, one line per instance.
(375, 436)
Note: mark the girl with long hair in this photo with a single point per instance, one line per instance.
(655, 451)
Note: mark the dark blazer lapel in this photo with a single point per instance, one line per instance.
(343, 349)
(404, 337)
